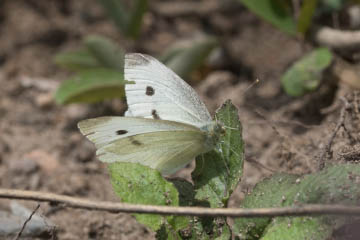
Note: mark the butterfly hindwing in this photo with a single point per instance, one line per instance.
(159, 93)
(162, 145)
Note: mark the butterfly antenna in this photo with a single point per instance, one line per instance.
(230, 128)
(250, 86)
(259, 164)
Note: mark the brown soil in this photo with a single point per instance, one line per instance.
(42, 149)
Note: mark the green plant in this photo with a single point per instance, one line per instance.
(185, 59)
(99, 72)
(277, 13)
(99, 65)
(306, 73)
(282, 14)
(215, 178)
(127, 19)
(333, 185)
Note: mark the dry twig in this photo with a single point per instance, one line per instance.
(338, 39)
(185, 8)
(112, 207)
(259, 164)
(340, 123)
(356, 103)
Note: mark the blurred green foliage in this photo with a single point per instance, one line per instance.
(185, 59)
(277, 12)
(99, 72)
(305, 18)
(282, 14)
(128, 19)
(297, 20)
(306, 73)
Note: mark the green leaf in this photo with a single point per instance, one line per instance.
(267, 193)
(77, 60)
(136, 17)
(306, 74)
(328, 6)
(186, 191)
(201, 228)
(223, 233)
(277, 12)
(218, 172)
(307, 11)
(334, 185)
(106, 52)
(298, 228)
(117, 12)
(127, 19)
(100, 52)
(171, 52)
(135, 183)
(209, 228)
(165, 234)
(91, 86)
(184, 61)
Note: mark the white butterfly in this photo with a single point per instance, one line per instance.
(166, 124)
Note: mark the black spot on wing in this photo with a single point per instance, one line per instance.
(149, 91)
(121, 132)
(135, 142)
(154, 114)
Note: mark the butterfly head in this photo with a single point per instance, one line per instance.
(219, 129)
(214, 131)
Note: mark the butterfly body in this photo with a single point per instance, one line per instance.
(214, 131)
(166, 124)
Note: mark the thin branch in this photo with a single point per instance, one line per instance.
(259, 164)
(297, 9)
(73, 202)
(340, 123)
(186, 8)
(27, 220)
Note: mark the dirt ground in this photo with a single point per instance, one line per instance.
(41, 148)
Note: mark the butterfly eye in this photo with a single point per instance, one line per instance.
(222, 130)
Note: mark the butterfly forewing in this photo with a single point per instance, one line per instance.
(159, 93)
(166, 124)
